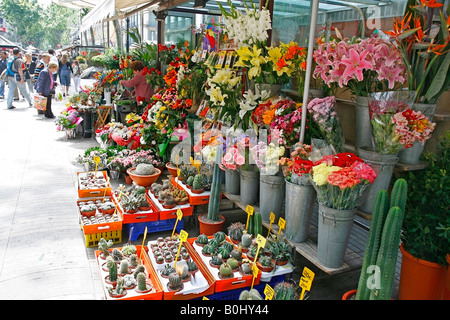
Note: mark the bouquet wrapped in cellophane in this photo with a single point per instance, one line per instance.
(340, 180)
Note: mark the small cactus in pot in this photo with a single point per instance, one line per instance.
(142, 285)
(192, 266)
(216, 260)
(202, 240)
(175, 283)
(246, 240)
(111, 278)
(246, 267)
(235, 231)
(225, 271)
(197, 184)
(233, 263)
(124, 267)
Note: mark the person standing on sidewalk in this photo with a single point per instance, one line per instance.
(77, 71)
(65, 72)
(16, 79)
(30, 65)
(3, 66)
(45, 86)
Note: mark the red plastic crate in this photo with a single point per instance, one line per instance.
(100, 227)
(87, 193)
(164, 214)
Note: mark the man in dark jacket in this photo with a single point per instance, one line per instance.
(3, 66)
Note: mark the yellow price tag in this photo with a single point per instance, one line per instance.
(306, 281)
(271, 220)
(269, 292)
(178, 173)
(205, 298)
(261, 241)
(96, 159)
(183, 237)
(196, 163)
(281, 224)
(143, 242)
(179, 214)
(249, 209)
(255, 271)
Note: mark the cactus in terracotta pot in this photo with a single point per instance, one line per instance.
(285, 291)
(216, 188)
(141, 279)
(246, 240)
(112, 267)
(124, 267)
(192, 266)
(104, 246)
(144, 169)
(139, 268)
(175, 281)
(235, 231)
(216, 260)
(219, 236)
(134, 260)
(197, 184)
(202, 239)
(233, 263)
(225, 270)
(117, 255)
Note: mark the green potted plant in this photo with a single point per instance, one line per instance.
(426, 227)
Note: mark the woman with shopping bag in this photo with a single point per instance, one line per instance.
(45, 86)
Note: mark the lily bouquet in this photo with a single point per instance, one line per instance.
(424, 45)
(363, 65)
(394, 125)
(324, 113)
(340, 180)
(68, 119)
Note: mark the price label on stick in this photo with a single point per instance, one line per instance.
(183, 237)
(197, 164)
(271, 220)
(255, 273)
(306, 281)
(179, 217)
(249, 209)
(143, 242)
(269, 292)
(281, 224)
(97, 161)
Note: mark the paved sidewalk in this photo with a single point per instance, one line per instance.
(42, 252)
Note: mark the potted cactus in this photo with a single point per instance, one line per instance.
(144, 174)
(235, 231)
(192, 266)
(197, 184)
(88, 210)
(382, 243)
(265, 263)
(212, 222)
(104, 246)
(246, 267)
(142, 285)
(119, 290)
(286, 290)
(201, 240)
(225, 271)
(175, 283)
(107, 207)
(216, 260)
(111, 278)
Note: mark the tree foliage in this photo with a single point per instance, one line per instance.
(45, 28)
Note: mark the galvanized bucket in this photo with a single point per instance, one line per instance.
(271, 196)
(232, 181)
(383, 165)
(299, 202)
(334, 228)
(412, 155)
(363, 129)
(249, 180)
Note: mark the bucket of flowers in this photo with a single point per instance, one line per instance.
(67, 121)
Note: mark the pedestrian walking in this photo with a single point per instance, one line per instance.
(77, 71)
(65, 72)
(3, 66)
(30, 65)
(45, 86)
(16, 79)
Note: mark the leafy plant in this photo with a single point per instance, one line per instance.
(143, 51)
(426, 227)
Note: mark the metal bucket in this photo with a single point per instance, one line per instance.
(271, 196)
(249, 188)
(232, 181)
(334, 228)
(412, 155)
(383, 165)
(363, 129)
(299, 203)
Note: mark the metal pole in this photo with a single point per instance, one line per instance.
(312, 30)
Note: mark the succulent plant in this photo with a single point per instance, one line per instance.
(190, 180)
(119, 288)
(139, 268)
(223, 252)
(228, 245)
(266, 261)
(108, 205)
(197, 184)
(128, 250)
(216, 260)
(144, 169)
(225, 270)
(175, 281)
(236, 253)
(141, 279)
(124, 266)
(169, 200)
(134, 260)
(214, 243)
(202, 239)
(285, 290)
(236, 230)
(233, 263)
(104, 246)
(112, 267)
(246, 240)
(117, 255)
(192, 266)
(246, 267)
(182, 270)
(251, 294)
(168, 269)
(129, 280)
(208, 249)
(219, 236)
(88, 207)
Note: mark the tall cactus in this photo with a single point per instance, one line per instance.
(376, 253)
(216, 186)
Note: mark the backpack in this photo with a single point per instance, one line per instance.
(10, 70)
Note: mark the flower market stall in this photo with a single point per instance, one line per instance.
(220, 121)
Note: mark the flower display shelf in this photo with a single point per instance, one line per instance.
(90, 185)
(132, 294)
(199, 284)
(194, 198)
(139, 216)
(236, 282)
(164, 213)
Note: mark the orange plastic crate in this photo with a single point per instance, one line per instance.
(239, 281)
(100, 227)
(194, 199)
(87, 193)
(165, 214)
(132, 294)
(139, 216)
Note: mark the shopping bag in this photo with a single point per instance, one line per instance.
(40, 102)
